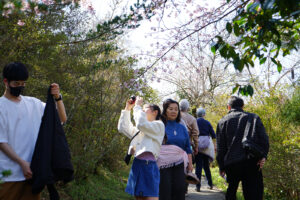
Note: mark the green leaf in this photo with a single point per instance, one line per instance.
(238, 64)
(268, 4)
(235, 88)
(249, 5)
(229, 27)
(285, 52)
(231, 52)
(263, 60)
(18, 4)
(279, 67)
(274, 61)
(241, 21)
(236, 29)
(257, 53)
(239, 43)
(220, 39)
(251, 62)
(223, 51)
(213, 49)
(252, 7)
(243, 91)
(250, 90)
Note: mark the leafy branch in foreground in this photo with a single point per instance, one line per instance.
(266, 29)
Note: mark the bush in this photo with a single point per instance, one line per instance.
(282, 172)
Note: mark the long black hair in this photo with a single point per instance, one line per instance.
(154, 107)
(166, 104)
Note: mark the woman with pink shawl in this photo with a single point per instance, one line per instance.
(175, 157)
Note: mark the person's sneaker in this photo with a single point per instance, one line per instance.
(210, 187)
(197, 189)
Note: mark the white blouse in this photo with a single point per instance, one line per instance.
(151, 132)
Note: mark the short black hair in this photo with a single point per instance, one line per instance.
(166, 104)
(15, 71)
(235, 102)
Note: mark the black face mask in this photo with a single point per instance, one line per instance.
(16, 91)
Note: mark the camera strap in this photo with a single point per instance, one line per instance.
(128, 156)
(135, 135)
(247, 129)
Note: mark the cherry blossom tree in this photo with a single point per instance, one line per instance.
(255, 24)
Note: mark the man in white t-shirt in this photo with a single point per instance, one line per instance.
(20, 119)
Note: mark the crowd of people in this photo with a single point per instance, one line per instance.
(164, 144)
(184, 138)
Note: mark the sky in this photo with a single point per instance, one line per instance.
(135, 41)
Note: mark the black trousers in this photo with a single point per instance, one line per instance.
(172, 183)
(251, 177)
(202, 161)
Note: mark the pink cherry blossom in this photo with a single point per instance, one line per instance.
(21, 23)
(47, 2)
(36, 10)
(91, 9)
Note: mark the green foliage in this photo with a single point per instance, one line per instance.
(5, 173)
(291, 110)
(91, 72)
(104, 185)
(264, 28)
(283, 162)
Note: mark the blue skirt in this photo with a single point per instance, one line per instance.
(143, 180)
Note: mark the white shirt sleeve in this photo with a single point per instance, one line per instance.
(151, 129)
(3, 129)
(125, 126)
(41, 105)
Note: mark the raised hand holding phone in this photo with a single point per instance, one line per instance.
(132, 99)
(130, 103)
(139, 101)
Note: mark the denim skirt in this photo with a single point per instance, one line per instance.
(143, 180)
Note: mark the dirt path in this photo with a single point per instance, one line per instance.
(205, 193)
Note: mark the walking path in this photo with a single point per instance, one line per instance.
(205, 193)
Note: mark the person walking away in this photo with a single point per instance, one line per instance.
(176, 155)
(144, 176)
(191, 124)
(20, 119)
(233, 159)
(201, 159)
(192, 127)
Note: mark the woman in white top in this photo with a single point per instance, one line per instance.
(143, 181)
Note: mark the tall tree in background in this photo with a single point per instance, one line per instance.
(95, 75)
(263, 29)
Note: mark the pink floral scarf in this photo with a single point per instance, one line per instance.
(172, 155)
